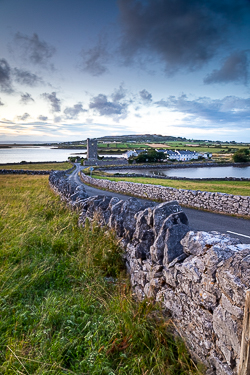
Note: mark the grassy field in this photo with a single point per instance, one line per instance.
(220, 152)
(65, 301)
(229, 187)
(126, 146)
(38, 166)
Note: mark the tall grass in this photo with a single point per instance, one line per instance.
(65, 302)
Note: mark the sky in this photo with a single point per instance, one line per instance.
(72, 69)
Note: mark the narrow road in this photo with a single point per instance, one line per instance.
(198, 220)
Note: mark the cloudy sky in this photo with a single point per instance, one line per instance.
(71, 69)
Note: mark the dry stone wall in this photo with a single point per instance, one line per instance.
(217, 202)
(69, 191)
(185, 164)
(200, 278)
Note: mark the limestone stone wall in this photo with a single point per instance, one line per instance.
(217, 202)
(200, 278)
(185, 164)
(175, 177)
(69, 191)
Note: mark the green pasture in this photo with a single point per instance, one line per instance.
(127, 146)
(65, 300)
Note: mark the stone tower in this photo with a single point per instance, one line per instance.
(92, 149)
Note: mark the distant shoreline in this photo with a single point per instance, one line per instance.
(4, 145)
(34, 162)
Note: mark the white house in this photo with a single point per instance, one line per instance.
(160, 150)
(187, 155)
(171, 155)
(182, 155)
(139, 151)
(129, 153)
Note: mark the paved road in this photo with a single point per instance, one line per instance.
(198, 220)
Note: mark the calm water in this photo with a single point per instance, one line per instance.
(38, 153)
(206, 172)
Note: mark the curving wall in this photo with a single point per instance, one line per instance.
(216, 202)
(200, 278)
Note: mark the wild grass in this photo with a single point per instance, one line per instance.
(37, 166)
(65, 302)
(228, 187)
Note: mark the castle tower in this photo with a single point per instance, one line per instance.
(92, 149)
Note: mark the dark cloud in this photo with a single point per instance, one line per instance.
(26, 98)
(230, 109)
(34, 49)
(55, 103)
(104, 107)
(57, 119)
(234, 69)
(73, 112)
(23, 117)
(1, 103)
(42, 118)
(95, 58)
(145, 96)
(5, 77)
(118, 94)
(26, 78)
(183, 34)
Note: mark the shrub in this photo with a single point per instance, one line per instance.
(241, 156)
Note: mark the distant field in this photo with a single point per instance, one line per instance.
(157, 145)
(38, 166)
(122, 145)
(218, 150)
(202, 147)
(229, 187)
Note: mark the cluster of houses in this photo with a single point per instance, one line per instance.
(173, 155)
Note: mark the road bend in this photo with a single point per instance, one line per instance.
(198, 220)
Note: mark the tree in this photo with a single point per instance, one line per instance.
(151, 156)
(242, 155)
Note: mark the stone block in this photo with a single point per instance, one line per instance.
(226, 330)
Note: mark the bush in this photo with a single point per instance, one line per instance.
(241, 156)
(151, 156)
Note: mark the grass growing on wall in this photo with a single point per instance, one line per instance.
(229, 187)
(65, 301)
(38, 166)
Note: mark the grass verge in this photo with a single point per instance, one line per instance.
(229, 187)
(38, 166)
(65, 301)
